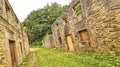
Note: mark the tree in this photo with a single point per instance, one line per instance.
(37, 24)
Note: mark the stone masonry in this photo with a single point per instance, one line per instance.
(48, 42)
(14, 44)
(95, 29)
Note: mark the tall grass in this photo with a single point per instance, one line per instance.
(60, 58)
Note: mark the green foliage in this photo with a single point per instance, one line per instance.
(78, 9)
(59, 58)
(38, 22)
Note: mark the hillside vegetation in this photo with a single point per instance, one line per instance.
(38, 23)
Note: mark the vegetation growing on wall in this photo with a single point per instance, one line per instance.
(38, 23)
(77, 9)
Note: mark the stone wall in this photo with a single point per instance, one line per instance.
(96, 29)
(11, 30)
(103, 23)
(48, 42)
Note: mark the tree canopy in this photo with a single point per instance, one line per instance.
(38, 23)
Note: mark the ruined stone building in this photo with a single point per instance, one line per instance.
(13, 40)
(87, 25)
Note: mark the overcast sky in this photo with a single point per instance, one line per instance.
(23, 7)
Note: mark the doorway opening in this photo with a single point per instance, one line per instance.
(70, 42)
(12, 53)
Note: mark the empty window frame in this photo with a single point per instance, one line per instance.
(7, 7)
(1, 3)
(57, 24)
(77, 9)
(8, 13)
(65, 19)
(84, 35)
(21, 47)
(58, 32)
(60, 40)
(0, 10)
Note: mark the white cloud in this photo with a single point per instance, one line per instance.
(23, 7)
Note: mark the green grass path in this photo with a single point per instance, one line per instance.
(30, 60)
(46, 57)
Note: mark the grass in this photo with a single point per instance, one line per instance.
(30, 60)
(59, 58)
